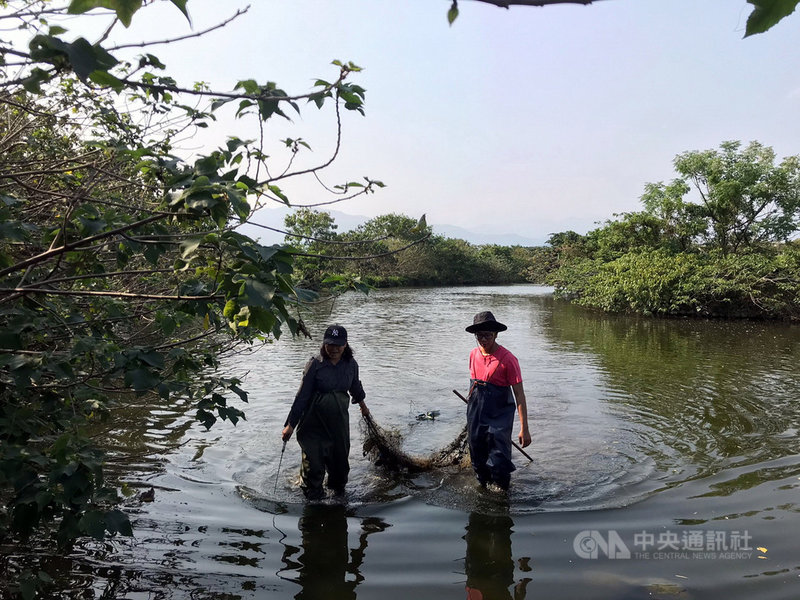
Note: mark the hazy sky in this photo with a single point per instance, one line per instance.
(527, 121)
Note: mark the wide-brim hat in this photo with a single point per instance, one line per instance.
(485, 321)
(335, 335)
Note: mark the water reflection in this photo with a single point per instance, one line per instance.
(325, 565)
(621, 409)
(489, 562)
(701, 396)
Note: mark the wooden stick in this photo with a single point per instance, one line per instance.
(513, 443)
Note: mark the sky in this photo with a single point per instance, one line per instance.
(524, 121)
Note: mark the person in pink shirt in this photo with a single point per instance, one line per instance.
(495, 394)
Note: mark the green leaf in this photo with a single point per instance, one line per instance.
(152, 358)
(206, 166)
(124, 9)
(190, 246)
(258, 293)
(27, 588)
(117, 522)
(452, 14)
(262, 319)
(267, 252)
(238, 391)
(181, 4)
(152, 252)
(93, 523)
(33, 82)
(306, 295)
(230, 310)
(216, 104)
(206, 418)
(106, 79)
(167, 323)
(45, 578)
(82, 57)
(239, 203)
(14, 231)
(10, 340)
(767, 13)
(277, 191)
(141, 379)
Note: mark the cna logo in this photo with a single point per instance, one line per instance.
(590, 543)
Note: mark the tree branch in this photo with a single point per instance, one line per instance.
(56, 251)
(510, 3)
(48, 291)
(238, 13)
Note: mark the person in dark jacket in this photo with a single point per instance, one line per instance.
(495, 394)
(320, 414)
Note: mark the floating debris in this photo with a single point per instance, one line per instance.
(428, 416)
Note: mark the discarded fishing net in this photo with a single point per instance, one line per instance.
(383, 447)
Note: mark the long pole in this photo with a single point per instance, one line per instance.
(280, 460)
(517, 446)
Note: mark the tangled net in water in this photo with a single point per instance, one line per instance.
(382, 446)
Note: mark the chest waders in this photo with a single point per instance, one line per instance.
(324, 437)
(490, 421)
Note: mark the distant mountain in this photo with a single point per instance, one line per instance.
(479, 238)
(273, 217)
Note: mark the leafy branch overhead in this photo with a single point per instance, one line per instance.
(765, 14)
(122, 269)
(124, 9)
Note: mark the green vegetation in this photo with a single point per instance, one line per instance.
(396, 250)
(122, 273)
(716, 241)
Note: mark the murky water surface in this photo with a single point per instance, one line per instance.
(666, 465)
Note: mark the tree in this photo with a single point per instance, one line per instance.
(121, 268)
(392, 225)
(714, 242)
(682, 223)
(744, 198)
(308, 231)
(564, 238)
(630, 231)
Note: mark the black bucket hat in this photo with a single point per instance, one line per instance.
(335, 335)
(485, 321)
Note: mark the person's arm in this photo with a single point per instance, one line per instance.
(357, 391)
(300, 401)
(522, 410)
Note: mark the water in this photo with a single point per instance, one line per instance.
(666, 465)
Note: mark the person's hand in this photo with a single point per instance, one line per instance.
(524, 438)
(286, 434)
(364, 409)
